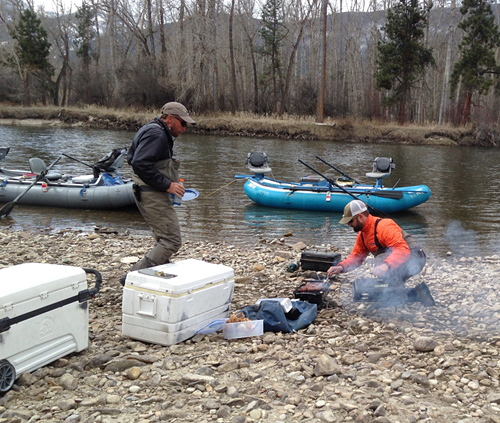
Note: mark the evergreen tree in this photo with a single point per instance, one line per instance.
(402, 56)
(273, 32)
(32, 53)
(477, 67)
(85, 33)
(85, 36)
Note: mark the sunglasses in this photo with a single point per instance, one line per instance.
(183, 123)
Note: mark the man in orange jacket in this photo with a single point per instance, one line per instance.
(397, 256)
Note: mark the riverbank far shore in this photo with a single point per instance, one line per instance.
(358, 362)
(249, 125)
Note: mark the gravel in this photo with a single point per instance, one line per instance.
(360, 362)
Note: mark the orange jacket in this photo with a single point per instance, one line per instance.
(389, 235)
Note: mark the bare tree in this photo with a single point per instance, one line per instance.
(234, 104)
(321, 97)
(62, 40)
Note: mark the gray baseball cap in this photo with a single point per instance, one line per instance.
(174, 108)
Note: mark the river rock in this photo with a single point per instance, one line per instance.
(326, 365)
(68, 382)
(425, 344)
(363, 362)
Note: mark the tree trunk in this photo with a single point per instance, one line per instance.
(150, 28)
(446, 76)
(466, 112)
(97, 49)
(402, 106)
(322, 89)
(234, 103)
(163, 62)
(213, 54)
(26, 82)
(114, 49)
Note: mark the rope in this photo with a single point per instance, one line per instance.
(217, 190)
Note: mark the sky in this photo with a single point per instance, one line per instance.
(50, 6)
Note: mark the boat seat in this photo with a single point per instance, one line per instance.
(258, 162)
(382, 167)
(3, 152)
(38, 166)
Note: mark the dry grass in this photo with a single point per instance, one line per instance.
(247, 124)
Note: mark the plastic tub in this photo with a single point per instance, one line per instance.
(243, 329)
(285, 303)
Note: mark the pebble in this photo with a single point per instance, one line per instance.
(357, 362)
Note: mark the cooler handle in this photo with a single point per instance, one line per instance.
(82, 296)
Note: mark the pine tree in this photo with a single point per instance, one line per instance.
(402, 56)
(84, 38)
(272, 32)
(32, 53)
(476, 69)
(85, 33)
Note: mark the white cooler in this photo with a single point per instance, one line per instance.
(168, 304)
(43, 316)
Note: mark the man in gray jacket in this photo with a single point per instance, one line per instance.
(156, 180)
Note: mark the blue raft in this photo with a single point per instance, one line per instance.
(318, 194)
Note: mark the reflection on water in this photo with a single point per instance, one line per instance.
(461, 216)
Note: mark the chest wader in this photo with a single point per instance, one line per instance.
(157, 210)
(409, 268)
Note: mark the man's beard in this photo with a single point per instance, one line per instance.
(357, 227)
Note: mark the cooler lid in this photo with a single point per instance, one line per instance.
(179, 277)
(26, 281)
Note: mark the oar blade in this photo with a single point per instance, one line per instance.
(6, 209)
(395, 195)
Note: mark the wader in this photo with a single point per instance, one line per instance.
(158, 211)
(409, 268)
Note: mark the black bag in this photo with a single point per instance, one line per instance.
(111, 162)
(314, 260)
(275, 319)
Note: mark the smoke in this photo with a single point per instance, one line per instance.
(461, 242)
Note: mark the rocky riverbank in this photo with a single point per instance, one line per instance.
(249, 125)
(357, 362)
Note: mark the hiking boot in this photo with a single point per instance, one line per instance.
(424, 295)
(411, 295)
(143, 263)
(123, 279)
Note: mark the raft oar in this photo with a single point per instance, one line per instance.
(76, 160)
(331, 181)
(7, 208)
(338, 170)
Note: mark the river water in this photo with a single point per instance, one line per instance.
(461, 216)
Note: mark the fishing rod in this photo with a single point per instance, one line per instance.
(331, 181)
(7, 208)
(338, 170)
(76, 160)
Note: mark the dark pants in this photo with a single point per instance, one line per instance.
(409, 268)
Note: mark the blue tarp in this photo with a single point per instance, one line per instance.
(275, 319)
